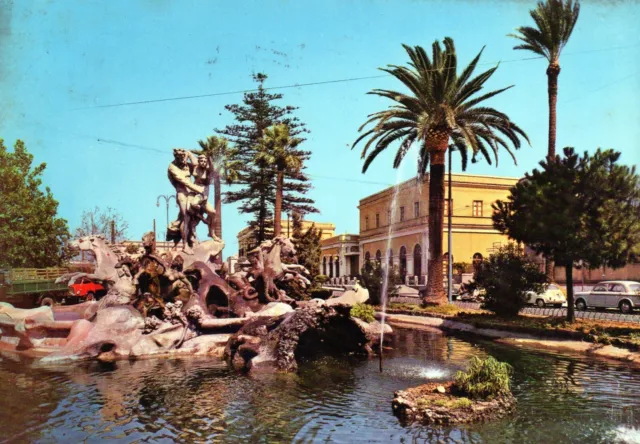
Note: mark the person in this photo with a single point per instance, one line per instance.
(179, 173)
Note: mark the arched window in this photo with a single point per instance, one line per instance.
(331, 267)
(417, 260)
(390, 258)
(378, 257)
(324, 265)
(403, 262)
(337, 263)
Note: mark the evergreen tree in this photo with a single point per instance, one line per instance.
(576, 208)
(257, 194)
(31, 233)
(307, 245)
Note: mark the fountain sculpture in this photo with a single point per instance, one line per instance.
(180, 302)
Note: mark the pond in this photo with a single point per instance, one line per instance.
(560, 399)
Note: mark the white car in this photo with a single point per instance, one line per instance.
(552, 295)
(623, 295)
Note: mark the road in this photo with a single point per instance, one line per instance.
(609, 315)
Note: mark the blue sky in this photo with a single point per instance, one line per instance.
(61, 59)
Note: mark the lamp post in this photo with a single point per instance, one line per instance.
(166, 198)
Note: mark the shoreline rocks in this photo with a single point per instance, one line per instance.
(438, 403)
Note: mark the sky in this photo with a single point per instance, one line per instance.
(61, 62)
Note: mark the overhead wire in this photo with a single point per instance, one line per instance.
(323, 82)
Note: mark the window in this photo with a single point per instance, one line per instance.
(401, 214)
(477, 208)
(377, 220)
(366, 222)
(416, 209)
(388, 217)
(599, 288)
(617, 288)
(448, 205)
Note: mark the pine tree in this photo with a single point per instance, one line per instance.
(257, 194)
(307, 245)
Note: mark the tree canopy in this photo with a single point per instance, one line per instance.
(97, 221)
(257, 192)
(31, 233)
(576, 208)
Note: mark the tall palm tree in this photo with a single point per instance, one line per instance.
(440, 107)
(224, 167)
(555, 20)
(278, 149)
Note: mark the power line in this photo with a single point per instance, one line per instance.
(325, 82)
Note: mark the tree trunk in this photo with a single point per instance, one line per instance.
(571, 315)
(277, 216)
(553, 71)
(552, 81)
(437, 146)
(218, 205)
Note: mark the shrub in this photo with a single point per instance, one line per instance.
(372, 278)
(364, 312)
(320, 279)
(507, 276)
(484, 379)
(320, 293)
(132, 249)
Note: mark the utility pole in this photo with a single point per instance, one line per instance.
(113, 232)
(449, 213)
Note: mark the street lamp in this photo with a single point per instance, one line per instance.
(166, 198)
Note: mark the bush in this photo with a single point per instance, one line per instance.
(320, 279)
(507, 276)
(364, 312)
(484, 379)
(320, 293)
(132, 249)
(372, 278)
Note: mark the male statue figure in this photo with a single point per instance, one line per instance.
(179, 173)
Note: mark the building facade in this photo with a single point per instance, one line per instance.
(247, 237)
(394, 222)
(340, 255)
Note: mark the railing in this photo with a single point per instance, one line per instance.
(35, 274)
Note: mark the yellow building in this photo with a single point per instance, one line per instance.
(400, 229)
(247, 237)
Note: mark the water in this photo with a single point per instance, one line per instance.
(384, 293)
(560, 399)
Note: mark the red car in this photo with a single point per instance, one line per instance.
(86, 289)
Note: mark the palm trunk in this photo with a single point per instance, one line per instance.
(552, 88)
(571, 315)
(437, 147)
(217, 202)
(278, 206)
(553, 71)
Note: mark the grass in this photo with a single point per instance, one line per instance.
(364, 312)
(484, 379)
(458, 403)
(447, 309)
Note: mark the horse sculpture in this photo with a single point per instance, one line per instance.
(268, 268)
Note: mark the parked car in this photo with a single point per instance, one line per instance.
(552, 295)
(623, 295)
(86, 289)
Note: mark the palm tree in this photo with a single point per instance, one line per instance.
(224, 168)
(555, 20)
(438, 108)
(278, 149)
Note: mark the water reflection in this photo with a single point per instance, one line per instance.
(559, 399)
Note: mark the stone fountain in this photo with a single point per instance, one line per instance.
(181, 303)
